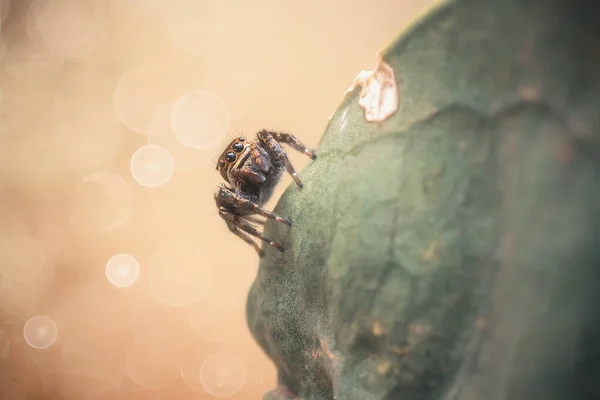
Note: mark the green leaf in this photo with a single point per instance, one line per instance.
(450, 251)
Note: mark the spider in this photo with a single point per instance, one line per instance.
(252, 170)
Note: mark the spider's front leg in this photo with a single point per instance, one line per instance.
(236, 201)
(271, 141)
(260, 157)
(294, 142)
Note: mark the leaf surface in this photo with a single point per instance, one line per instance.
(449, 252)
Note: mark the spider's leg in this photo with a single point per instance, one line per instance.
(238, 222)
(246, 174)
(239, 201)
(245, 237)
(254, 220)
(269, 141)
(260, 157)
(294, 143)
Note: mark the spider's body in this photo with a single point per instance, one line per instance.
(261, 187)
(252, 170)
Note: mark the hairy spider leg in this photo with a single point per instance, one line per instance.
(246, 174)
(226, 196)
(261, 158)
(268, 139)
(294, 143)
(238, 222)
(254, 219)
(245, 237)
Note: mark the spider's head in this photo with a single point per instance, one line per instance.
(234, 156)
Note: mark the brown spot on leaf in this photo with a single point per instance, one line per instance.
(401, 351)
(327, 351)
(481, 324)
(432, 251)
(417, 332)
(529, 92)
(377, 329)
(315, 355)
(564, 152)
(384, 367)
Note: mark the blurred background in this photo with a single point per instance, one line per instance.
(118, 279)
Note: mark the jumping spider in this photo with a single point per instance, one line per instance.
(253, 170)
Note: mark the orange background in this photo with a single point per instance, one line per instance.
(84, 85)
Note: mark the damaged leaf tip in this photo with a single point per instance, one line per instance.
(379, 94)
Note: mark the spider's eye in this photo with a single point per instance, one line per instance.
(230, 157)
(221, 163)
(241, 139)
(238, 147)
